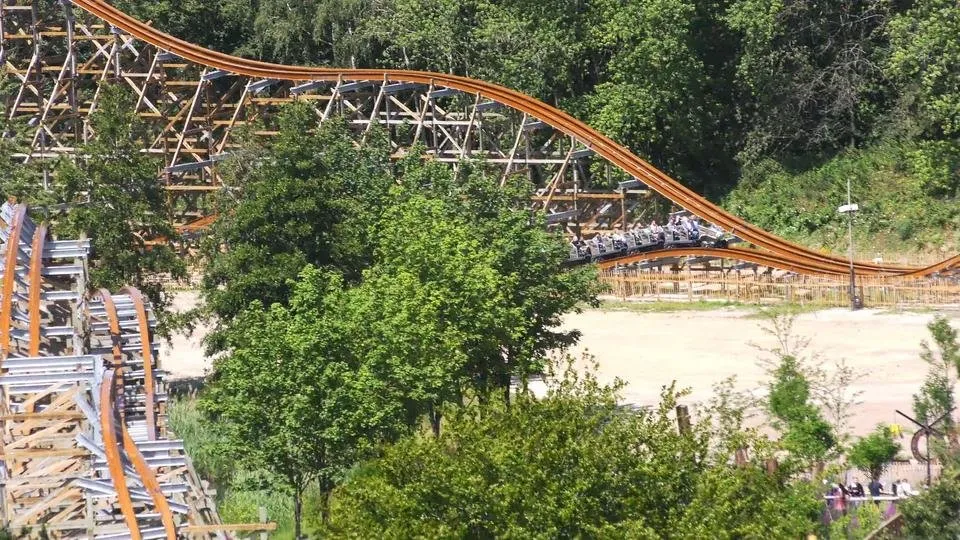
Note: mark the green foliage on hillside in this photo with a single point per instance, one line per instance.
(908, 197)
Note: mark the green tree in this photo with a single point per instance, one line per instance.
(747, 502)
(571, 464)
(115, 197)
(24, 181)
(924, 61)
(933, 513)
(508, 307)
(662, 91)
(311, 198)
(424, 34)
(804, 432)
(223, 25)
(936, 396)
(812, 72)
(541, 47)
(430, 307)
(290, 394)
(873, 453)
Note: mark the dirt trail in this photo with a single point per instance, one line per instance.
(698, 349)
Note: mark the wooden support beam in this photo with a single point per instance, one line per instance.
(230, 527)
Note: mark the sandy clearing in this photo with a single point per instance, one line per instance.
(183, 356)
(699, 349)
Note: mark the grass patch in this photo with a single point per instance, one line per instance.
(754, 311)
(666, 306)
(765, 312)
(241, 491)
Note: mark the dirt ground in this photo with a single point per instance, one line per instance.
(183, 356)
(700, 348)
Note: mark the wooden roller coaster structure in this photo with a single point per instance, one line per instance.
(195, 101)
(85, 449)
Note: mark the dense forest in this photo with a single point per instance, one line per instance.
(767, 106)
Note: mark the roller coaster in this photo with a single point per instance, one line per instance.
(86, 450)
(195, 101)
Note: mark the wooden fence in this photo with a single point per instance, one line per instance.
(770, 288)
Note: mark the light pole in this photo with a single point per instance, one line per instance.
(849, 210)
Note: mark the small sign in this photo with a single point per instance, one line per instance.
(848, 208)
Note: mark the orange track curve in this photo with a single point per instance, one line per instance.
(559, 120)
(151, 484)
(112, 451)
(110, 386)
(9, 276)
(758, 257)
(36, 287)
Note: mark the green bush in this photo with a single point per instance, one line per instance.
(857, 523)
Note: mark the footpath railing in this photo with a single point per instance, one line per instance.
(762, 288)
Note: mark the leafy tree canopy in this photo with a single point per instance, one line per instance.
(115, 198)
(311, 198)
(804, 431)
(570, 464)
(292, 396)
(936, 396)
(873, 453)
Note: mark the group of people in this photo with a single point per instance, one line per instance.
(839, 494)
(678, 227)
(898, 488)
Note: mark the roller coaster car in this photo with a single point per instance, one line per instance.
(677, 237)
(720, 243)
(621, 244)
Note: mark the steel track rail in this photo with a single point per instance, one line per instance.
(36, 286)
(747, 255)
(559, 120)
(112, 450)
(114, 461)
(146, 351)
(9, 279)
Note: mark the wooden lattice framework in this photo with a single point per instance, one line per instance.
(85, 447)
(55, 57)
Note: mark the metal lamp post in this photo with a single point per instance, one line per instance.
(849, 209)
